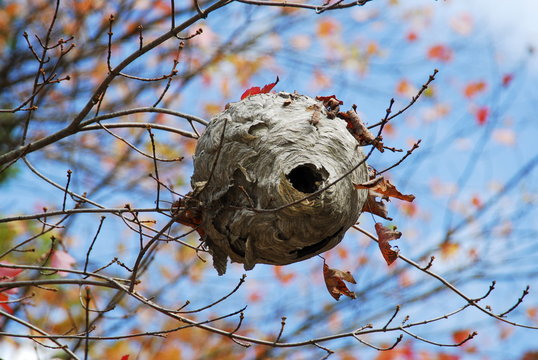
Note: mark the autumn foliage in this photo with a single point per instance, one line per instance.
(101, 108)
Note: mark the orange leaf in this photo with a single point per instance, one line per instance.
(256, 89)
(411, 36)
(409, 209)
(334, 279)
(444, 356)
(475, 200)
(254, 297)
(372, 48)
(440, 52)
(505, 332)
(281, 276)
(474, 88)
(460, 335)
(384, 187)
(448, 249)
(532, 312)
(404, 88)
(12, 9)
(326, 27)
(342, 252)
(385, 235)
(482, 115)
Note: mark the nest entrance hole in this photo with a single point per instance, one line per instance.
(305, 178)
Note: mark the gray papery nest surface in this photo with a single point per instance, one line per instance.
(267, 151)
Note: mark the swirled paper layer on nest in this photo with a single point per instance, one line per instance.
(267, 151)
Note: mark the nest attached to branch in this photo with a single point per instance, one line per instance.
(263, 153)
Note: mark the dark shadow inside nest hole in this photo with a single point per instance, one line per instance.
(305, 178)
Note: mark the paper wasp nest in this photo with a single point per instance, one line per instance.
(267, 151)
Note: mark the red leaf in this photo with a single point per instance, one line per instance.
(6, 307)
(62, 260)
(334, 280)
(507, 79)
(482, 115)
(440, 52)
(6, 273)
(385, 235)
(125, 357)
(256, 89)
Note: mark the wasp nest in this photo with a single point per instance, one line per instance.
(265, 152)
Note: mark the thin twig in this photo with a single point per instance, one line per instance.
(396, 310)
(451, 287)
(153, 152)
(411, 103)
(143, 252)
(519, 301)
(87, 323)
(241, 281)
(141, 126)
(282, 325)
(408, 153)
(66, 188)
(92, 243)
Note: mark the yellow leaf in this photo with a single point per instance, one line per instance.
(449, 249)
(212, 109)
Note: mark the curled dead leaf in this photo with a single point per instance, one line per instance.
(334, 279)
(359, 130)
(330, 101)
(375, 207)
(331, 104)
(384, 187)
(385, 235)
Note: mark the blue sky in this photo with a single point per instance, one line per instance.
(508, 27)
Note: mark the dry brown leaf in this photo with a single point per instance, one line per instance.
(359, 130)
(375, 207)
(187, 217)
(384, 187)
(334, 279)
(385, 235)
